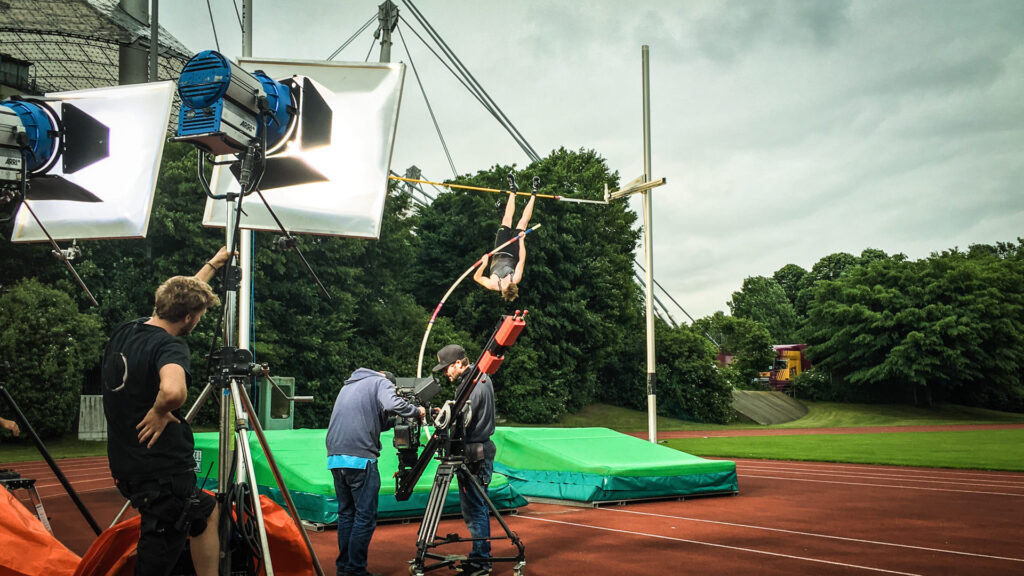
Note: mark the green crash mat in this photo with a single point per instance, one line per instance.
(599, 465)
(301, 457)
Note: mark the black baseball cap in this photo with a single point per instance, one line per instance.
(448, 355)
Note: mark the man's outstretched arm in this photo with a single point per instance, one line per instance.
(213, 265)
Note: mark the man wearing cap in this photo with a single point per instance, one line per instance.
(353, 446)
(480, 450)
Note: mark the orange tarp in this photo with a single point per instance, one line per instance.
(113, 553)
(26, 547)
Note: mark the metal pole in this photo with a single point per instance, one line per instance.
(227, 419)
(154, 40)
(387, 16)
(246, 242)
(246, 28)
(652, 396)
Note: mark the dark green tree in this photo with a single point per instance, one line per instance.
(764, 301)
(789, 278)
(828, 268)
(48, 344)
(746, 341)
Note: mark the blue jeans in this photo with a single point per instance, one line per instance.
(356, 490)
(475, 511)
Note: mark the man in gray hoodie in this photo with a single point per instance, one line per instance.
(353, 446)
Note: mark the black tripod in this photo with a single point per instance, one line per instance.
(449, 444)
(452, 457)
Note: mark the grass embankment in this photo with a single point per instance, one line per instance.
(819, 415)
(989, 449)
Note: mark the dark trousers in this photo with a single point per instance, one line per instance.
(171, 509)
(356, 490)
(475, 511)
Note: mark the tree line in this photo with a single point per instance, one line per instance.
(584, 340)
(884, 328)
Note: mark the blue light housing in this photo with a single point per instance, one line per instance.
(220, 105)
(42, 134)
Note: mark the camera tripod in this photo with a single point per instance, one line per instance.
(453, 463)
(449, 443)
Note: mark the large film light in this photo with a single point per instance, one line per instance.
(91, 158)
(221, 105)
(327, 173)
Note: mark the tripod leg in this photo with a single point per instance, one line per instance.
(245, 465)
(289, 503)
(432, 514)
(482, 492)
(200, 400)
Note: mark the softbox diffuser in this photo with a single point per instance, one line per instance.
(332, 176)
(104, 187)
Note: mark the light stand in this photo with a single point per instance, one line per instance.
(449, 442)
(235, 368)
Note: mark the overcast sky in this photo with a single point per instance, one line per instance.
(787, 130)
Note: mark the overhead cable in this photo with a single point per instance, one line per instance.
(351, 38)
(490, 105)
(437, 128)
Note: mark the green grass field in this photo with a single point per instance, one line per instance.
(968, 449)
(989, 449)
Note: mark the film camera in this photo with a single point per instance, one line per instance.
(418, 391)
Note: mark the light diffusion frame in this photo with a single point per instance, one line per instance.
(124, 181)
(348, 199)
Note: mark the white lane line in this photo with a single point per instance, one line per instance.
(698, 542)
(952, 472)
(815, 535)
(864, 475)
(883, 485)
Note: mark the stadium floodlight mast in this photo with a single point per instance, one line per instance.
(643, 185)
(82, 164)
(315, 146)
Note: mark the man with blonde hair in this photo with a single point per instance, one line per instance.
(149, 444)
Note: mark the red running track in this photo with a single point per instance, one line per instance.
(792, 518)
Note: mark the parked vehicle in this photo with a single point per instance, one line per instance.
(790, 361)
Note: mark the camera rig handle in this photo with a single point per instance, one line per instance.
(505, 335)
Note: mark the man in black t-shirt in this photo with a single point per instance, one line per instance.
(149, 443)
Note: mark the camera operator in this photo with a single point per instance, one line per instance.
(480, 452)
(353, 446)
(150, 446)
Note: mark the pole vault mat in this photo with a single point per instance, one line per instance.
(597, 465)
(301, 457)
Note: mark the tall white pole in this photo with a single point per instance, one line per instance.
(652, 396)
(245, 243)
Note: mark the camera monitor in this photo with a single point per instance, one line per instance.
(110, 141)
(331, 176)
